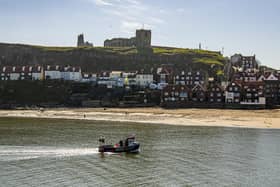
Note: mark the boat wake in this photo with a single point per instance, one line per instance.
(13, 153)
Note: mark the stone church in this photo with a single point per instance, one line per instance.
(142, 40)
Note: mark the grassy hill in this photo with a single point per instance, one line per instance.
(96, 59)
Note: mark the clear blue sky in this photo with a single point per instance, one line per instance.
(240, 26)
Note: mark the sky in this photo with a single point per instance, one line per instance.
(238, 26)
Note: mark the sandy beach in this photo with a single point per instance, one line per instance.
(187, 117)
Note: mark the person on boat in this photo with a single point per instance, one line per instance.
(121, 143)
(126, 142)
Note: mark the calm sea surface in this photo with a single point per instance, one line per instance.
(36, 152)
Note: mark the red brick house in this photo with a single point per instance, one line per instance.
(177, 94)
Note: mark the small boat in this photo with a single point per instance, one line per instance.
(129, 145)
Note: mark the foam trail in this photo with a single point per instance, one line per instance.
(9, 153)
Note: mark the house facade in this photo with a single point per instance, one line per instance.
(233, 93)
(198, 93)
(53, 72)
(272, 92)
(69, 73)
(144, 80)
(190, 78)
(253, 93)
(215, 94)
(176, 94)
(37, 73)
(164, 74)
(6, 73)
(89, 77)
(16, 73)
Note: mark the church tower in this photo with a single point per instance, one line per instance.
(143, 38)
(81, 41)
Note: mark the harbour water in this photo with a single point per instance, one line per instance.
(49, 152)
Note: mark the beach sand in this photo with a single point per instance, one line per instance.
(187, 117)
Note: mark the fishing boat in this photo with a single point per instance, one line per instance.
(129, 145)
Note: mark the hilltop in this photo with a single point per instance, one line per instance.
(95, 59)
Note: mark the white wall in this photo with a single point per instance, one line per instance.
(14, 76)
(53, 74)
(36, 76)
(144, 79)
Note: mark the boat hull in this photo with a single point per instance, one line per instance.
(134, 148)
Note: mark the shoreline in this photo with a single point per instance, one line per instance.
(264, 119)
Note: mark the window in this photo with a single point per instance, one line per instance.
(249, 95)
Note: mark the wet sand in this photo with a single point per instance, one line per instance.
(187, 117)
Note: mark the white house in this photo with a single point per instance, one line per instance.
(144, 80)
(89, 77)
(15, 74)
(53, 72)
(130, 79)
(6, 72)
(116, 74)
(37, 73)
(71, 73)
(272, 77)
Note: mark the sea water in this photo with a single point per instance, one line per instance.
(36, 152)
